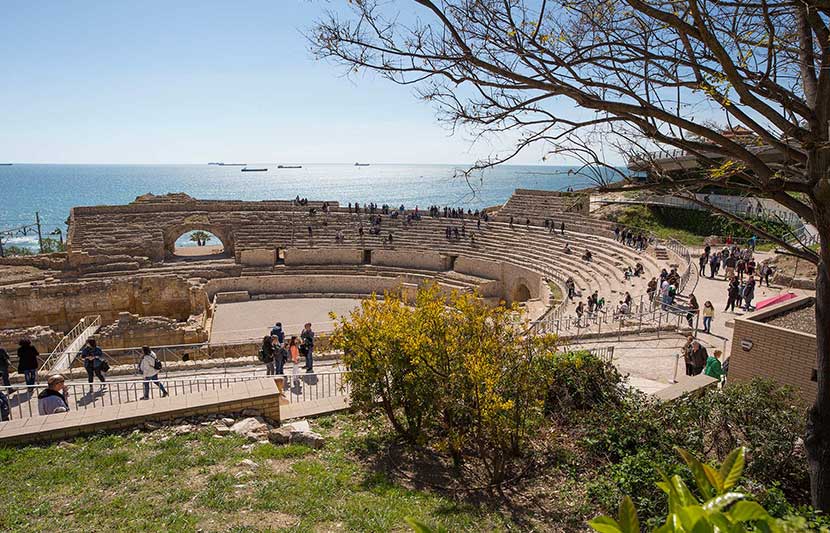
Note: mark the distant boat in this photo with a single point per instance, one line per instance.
(246, 169)
(6, 164)
(361, 164)
(228, 164)
(289, 166)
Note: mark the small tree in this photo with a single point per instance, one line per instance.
(200, 237)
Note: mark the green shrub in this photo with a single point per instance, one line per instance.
(761, 416)
(615, 432)
(578, 380)
(692, 222)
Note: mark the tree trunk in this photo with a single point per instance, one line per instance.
(817, 438)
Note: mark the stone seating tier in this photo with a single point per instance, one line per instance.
(538, 205)
(534, 248)
(262, 226)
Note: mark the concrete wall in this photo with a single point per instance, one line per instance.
(784, 355)
(478, 267)
(510, 276)
(421, 260)
(132, 330)
(299, 284)
(258, 257)
(323, 256)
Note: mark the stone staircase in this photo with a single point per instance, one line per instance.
(70, 345)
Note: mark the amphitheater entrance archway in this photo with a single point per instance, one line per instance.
(197, 240)
(521, 293)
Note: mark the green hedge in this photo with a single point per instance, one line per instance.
(696, 222)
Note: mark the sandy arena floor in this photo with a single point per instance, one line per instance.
(242, 321)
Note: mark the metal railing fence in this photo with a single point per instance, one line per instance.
(67, 340)
(23, 401)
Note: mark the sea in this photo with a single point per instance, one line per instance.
(51, 190)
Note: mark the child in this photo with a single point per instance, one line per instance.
(294, 355)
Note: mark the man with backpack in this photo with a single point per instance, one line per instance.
(277, 332)
(94, 363)
(149, 367)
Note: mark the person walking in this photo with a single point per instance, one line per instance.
(749, 293)
(294, 357)
(149, 367)
(765, 273)
(307, 346)
(686, 352)
(693, 310)
(266, 355)
(280, 358)
(708, 315)
(5, 362)
(732, 294)
(94, 364)
(27, 361)
(52, 399)
(704, 258)
(714, 266)
(580, 310)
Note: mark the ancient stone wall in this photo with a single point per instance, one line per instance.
(43, 338)
(131, 330)
(61, 306)
(324, 256)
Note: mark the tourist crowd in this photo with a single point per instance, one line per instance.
(276, 352)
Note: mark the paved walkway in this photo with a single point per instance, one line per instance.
(714, 290)
(652, 363)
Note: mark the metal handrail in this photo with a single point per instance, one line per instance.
(65, 342)
(81, 395)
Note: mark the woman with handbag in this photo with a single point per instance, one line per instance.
(149, 367)
(94, 363)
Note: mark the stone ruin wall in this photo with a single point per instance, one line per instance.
(132, 330)
(43, 338)
(61, 306)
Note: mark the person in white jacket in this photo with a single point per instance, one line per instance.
(149, 367)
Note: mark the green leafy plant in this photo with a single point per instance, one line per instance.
(718, 506)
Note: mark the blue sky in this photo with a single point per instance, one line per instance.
(90, 81)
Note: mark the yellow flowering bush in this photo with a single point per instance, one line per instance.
(448, 371)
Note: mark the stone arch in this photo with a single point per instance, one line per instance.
(521, 291)
(223, 233)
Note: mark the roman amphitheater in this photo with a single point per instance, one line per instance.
(123, 280)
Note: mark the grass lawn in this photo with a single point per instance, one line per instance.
(163, 482)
